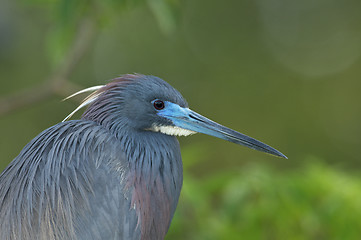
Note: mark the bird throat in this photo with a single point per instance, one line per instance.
(172, 130)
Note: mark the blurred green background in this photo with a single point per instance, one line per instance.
(284, 72)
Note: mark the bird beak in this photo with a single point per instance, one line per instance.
(190, 120)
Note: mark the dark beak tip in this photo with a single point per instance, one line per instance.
(279, 154)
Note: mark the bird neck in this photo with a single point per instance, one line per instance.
(154, 174)
(154, 179)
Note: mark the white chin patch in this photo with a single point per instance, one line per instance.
(172, 130)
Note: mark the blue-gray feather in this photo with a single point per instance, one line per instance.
(101, 177)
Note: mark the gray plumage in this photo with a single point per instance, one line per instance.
(114, 174)
(83, 179)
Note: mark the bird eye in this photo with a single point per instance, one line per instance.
(158, 104)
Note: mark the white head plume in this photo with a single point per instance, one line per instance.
(89, 99)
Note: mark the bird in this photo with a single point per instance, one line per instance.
(115, 173)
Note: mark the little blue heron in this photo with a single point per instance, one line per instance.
(114, 174)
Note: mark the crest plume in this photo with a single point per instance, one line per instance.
(95, 91)
(89, 99)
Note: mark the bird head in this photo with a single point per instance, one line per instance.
(147, 103)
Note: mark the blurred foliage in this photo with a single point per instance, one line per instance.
(259, 202)
(68, 14)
